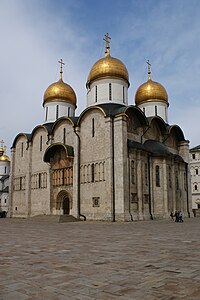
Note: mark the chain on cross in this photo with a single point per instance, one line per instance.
(149, 69)
(107, 40)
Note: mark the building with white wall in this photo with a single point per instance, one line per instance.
(112, 162)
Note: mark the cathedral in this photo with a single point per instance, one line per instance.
(114, 162)
(4, 180)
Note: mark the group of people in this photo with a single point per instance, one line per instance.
(177, 216)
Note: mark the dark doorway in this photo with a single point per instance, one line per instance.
(66, 206)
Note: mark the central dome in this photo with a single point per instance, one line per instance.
(150, 91)
(4, 158)
(108, 66)
(60, 91)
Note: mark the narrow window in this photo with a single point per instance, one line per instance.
(64, 136)
(177, 182)
(193, 156)
(68, 111)
(5, 200)
(146, 173)
(39, 180)
(156, 112)
(195, 187)
(40, 143)
(197, 171)
(22, 150)
(110, 92)
(46, 112)
(185, 181)
(95, 93)
(157, 176)
(5, 170)
(144, 110)
(132, 172)
(20, 183)
(92, 127)
(123, 95)
(92, 173)
(57, 111)
(170, 178)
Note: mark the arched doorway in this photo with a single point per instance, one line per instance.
(63, 203)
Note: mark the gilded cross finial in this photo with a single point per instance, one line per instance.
(149, 69)
(1, 143)
(61, 65)
(107, 40)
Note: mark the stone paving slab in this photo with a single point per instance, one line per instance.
(145, 260)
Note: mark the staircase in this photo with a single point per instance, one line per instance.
(54, 218)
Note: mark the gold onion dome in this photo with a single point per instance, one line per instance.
(4, 158)
(150, 91)
(60, 91)
(108, 66)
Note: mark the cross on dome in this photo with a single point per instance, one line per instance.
(149, 69)
(61, 65)
(107, 40)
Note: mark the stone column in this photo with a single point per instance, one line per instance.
(11, 181)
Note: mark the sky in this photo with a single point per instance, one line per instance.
(35, 34)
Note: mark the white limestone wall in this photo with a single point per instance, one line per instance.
(64, 109)
(69, 133)
(195, 178)
(96, 150)
(20, 168)
(40, 197)
(150, 108)
(119, 92)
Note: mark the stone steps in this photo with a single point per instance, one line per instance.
(54, 218)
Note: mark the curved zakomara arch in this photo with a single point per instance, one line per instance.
(34, 131)
(161, 123)
(58, 121)
(69, 150)
(88, 109)
(26, 135)
(177, 131)
(138, 112)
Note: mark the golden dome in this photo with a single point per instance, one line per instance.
(4, 158)
(150, 90)
(108, 66)
(60, 91)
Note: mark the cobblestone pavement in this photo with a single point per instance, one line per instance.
(97, 260)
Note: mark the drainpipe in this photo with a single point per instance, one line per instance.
(149, 177)
(79, 178)
(129, 186)
(113, 172)
(186, 171)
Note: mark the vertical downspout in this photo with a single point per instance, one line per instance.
(149, 178)
(113, 172)
(79, 178)
(186, 171)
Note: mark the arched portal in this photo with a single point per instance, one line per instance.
(63, 203)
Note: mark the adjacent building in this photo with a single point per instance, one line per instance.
(4, 179)
(195, 178)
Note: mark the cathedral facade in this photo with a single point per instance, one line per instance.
(113, 162)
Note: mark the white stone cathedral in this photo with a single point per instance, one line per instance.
(113, 162)
(4, 180)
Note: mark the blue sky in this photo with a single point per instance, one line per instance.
(36, 34)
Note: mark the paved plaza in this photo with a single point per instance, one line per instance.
(99, 260)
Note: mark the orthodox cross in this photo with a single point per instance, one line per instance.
(1, 143)
(107, 40)
(149, 69)
(61, 65)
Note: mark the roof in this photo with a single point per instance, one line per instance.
(195, 148)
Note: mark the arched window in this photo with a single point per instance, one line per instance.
(123, 95)
(195, 187)
(64, 136)
(156, 110)
(46, 112)
(41, 143)
(92, 173)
